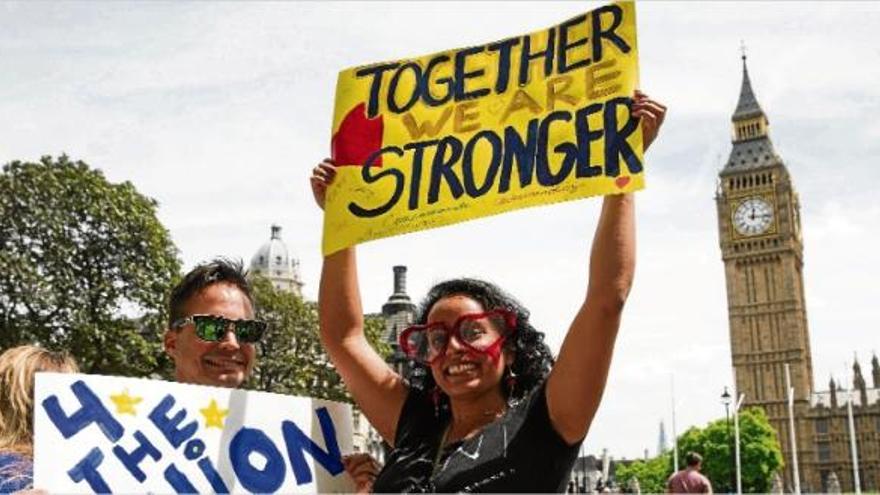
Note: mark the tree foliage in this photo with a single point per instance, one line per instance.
(652, 473)
(291, 359)
(85, 266)
(760, 456)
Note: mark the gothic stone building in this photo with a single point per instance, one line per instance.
(759, 227)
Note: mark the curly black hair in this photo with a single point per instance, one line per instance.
(533, 358)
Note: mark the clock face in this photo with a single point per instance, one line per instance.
(753, 216)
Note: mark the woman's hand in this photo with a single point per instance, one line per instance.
(322, 177)
(363, 470)
(651, 114)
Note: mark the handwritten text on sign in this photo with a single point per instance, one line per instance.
(111, 434)
(462, 134)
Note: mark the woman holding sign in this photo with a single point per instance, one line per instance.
(496, 413)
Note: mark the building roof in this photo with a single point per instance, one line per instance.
(824, 398)
(752, 154)
(273, 259)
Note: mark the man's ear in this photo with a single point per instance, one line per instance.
(170, 340)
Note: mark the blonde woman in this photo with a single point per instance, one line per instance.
(17, 368)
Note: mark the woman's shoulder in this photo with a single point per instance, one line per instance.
(531, 416)
(11, 458)
(537, 396)
(16, 472)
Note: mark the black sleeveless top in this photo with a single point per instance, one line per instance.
(518, 452)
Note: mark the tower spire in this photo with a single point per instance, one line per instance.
(752, 148)
(662, 446)
(399, 312)
(747, 107)
(875, 370)
(859, 381)
(832, 389)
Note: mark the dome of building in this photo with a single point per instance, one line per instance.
(273, 261)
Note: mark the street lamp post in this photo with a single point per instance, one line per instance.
(792, 433)
(582, 487)
(674, 433)
(726, 400)
(736, 407)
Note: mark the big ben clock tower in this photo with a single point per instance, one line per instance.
(761, 246)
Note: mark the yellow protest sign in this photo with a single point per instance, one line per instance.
(462, 134)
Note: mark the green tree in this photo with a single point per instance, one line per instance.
(652, 473)
(291, 359)
(84, 266)
(760, 454)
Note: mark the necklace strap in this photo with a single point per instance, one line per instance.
(440, 447)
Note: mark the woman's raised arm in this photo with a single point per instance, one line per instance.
(375, 387)
(576, 383)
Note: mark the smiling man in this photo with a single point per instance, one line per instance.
(212, 331)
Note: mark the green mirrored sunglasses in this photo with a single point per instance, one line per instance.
(211, 328)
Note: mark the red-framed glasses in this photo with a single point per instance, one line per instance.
(483, 333)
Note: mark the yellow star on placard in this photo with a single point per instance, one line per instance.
(214, 415)
(125, 403)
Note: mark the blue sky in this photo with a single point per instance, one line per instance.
(220, 110)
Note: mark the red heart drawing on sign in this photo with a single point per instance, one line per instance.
(358, 137)
(621, 182)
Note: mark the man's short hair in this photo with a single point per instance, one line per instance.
(219, 270)
(693, 458)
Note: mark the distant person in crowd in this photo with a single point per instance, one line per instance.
(18, 366)
(212, 335)
(494, 412)
(689, 479)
